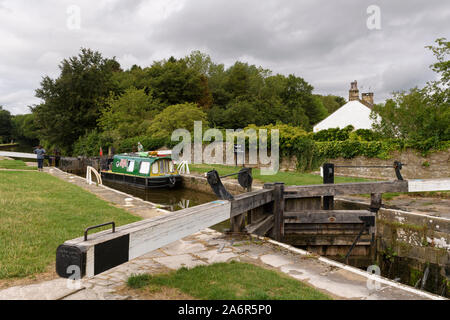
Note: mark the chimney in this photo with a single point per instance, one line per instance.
(353, 93)
(367, 98)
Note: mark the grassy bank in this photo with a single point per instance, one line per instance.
(15, 164)
(38, 212)
(289, 178)
(228, 281)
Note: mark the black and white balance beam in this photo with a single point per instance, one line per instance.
(106, 249)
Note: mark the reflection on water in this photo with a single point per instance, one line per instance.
(21, 147)
(170, 199)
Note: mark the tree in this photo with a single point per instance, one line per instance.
(5, 125)
(297, 95)
(72, 102)
(331, 102)
(25, 129)
(420, 115)
(200, 62)
(180, 116)
(174, 82)
(130, 114)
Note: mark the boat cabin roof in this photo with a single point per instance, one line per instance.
(142, 156)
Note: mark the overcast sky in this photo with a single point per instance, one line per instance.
(328, 43)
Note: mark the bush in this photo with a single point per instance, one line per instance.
(334, 134)
(148, 142)
(311, 150)
(90, 143)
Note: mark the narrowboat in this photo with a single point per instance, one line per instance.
(152, 169)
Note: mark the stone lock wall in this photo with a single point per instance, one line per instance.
(435, 165)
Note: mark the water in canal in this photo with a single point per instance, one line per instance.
(170, 199)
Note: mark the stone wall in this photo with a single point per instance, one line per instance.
(435, 165)
(408, 244)
(199, 183)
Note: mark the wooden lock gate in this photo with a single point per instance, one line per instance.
(279, 211)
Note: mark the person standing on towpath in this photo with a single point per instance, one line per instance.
(40, 157)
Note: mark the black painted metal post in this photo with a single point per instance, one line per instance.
(328, 178)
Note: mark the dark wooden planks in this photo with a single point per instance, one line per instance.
(345, 188)
(262, 226)
(250, 200)
(326, 216)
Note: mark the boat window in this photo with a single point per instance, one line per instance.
(155, 167)
(145, 167)
(161, 166)
(130, 167)
(171, 166)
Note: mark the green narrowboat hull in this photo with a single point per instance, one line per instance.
(143, 182)
(144, 169)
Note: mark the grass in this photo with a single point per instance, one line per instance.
(15, 164)
(38, 212)
(229, 281)
(289, 178)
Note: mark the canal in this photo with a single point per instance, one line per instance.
(173, 199)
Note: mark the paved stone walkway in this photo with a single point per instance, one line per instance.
(210, 246)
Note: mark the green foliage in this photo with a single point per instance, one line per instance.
(180, 116)
(367, 135)
(351, 148)
(94, 93)
(129, 114)
(6, 126)
(331, 102)
(72, 102)
(25, 129)
(294, 141)
(149, 143)
(90, 143)
(334, 134)
(311, 150)
(174, 82)
(420, 116)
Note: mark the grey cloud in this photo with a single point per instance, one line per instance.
(325, 42)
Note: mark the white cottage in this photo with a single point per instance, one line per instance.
(355, 112)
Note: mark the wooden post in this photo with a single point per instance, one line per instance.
(278, 211)
(238, 223)
(328, 178)
(375, 202)
(249, 213)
